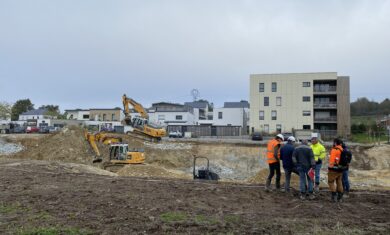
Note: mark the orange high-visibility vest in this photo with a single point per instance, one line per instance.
(272, 144)
(335, 155)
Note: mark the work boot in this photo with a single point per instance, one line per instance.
(303, 196)
(268, 185)
(312, 196)
(340, 197)
(334, 197)
(278, 185)
(346, 194)
(317, 188)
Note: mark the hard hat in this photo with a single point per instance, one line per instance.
(291, 138)
(314, 135)
(280, 136)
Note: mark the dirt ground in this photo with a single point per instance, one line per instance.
(51, 185)
(43, 196)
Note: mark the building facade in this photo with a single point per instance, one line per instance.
(283, 102)
(111, 115)
(171, 114)
(77, 114)
(35, 114)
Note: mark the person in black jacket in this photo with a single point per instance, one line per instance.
(286, 153)
(303, 158)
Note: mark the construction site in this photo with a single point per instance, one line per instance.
(54, 181)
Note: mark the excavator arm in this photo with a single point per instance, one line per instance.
(137, 107)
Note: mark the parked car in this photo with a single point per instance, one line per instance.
(32, 129)
(53, 129)
(175, 134)
(44, 129)
(19, 129)
(257, 136)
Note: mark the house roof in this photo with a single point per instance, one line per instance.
(197, 104)
(75, 110)
(241, 104)
(35, 112)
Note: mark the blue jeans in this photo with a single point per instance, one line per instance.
(345, 181)
(317, 173)
(305, 183)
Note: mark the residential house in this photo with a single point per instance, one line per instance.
(78, 114)
(233, 114)
(165, 113)
(202, 110)
(106, 115)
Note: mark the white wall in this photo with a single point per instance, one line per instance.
(25, 117)
(78, 115)
(230, 116)
(170, 118)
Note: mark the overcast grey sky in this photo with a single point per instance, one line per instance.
(87, 53)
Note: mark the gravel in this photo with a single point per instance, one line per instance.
(9, 148)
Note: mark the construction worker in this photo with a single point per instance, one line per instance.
(303, 158)
(334, 172)
(273, 159)
(345, 177)
(319, 155)
(286, 153)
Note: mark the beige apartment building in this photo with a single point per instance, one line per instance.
(105, 114)
(283, 102)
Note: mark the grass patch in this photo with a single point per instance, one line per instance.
(201, 219)
(232, 219)
(11, 208)
(53, 231)
(173, 217)
(366, 139)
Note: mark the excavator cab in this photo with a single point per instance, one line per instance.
(120, 154)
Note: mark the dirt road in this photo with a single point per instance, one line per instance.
(52, 196)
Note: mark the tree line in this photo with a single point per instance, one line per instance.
(364, 107)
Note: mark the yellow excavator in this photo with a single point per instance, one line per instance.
(140, 125)
(119, 152)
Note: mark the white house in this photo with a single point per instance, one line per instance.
(77, 114)
(232, 114)
(35, 114)
(202, 110)
(171, 114)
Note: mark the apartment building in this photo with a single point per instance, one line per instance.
(283, 102)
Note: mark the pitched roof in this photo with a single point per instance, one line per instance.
(241, 104)
(35, 112)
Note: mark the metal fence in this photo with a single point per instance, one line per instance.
(198, 131)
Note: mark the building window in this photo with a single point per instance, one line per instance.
(307, 113)
(306, 84)
(278, 128)
(161, 117)
(261, 115)
(274, 87)
(306, 99)
(104, 117)
(219, 115)
(306, 127)
(85, 116)
(273, 115)
(266, 128)
(179, 117)
(113, 117)
(261, 87)
(278, 101)
(266, 101)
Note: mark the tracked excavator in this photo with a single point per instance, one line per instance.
(119, 153)
(141, 126)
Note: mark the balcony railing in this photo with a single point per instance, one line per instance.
(325, 89)
(325, 105)
(325, 119)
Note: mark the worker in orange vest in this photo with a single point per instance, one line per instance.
(335, 172)
(273, 159)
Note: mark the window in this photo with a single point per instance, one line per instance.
(306, 127)
(306, 84)
(261, 87)
(306, 99)
(278, 101)
(104, 117)
(179, 117)
(278, 128)
(261, 115)
(274, 87)
(307, 113)
(161, 117)
(266, 101)
(113, 117)
(219, 115)
(85, 116)
(266, 128)
(273, 115)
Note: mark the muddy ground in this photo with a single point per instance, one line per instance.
(51, 185)
(47, 196)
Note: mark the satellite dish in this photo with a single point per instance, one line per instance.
(195, 94)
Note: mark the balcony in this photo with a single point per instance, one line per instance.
(325, 89)
(325, 119)
(327, 105)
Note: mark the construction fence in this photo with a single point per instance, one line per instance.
(199, 131)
